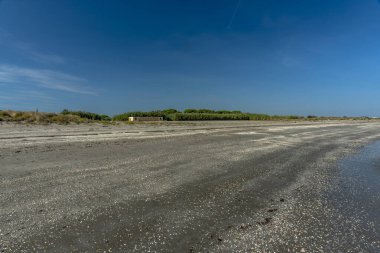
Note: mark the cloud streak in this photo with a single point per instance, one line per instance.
(44, 78)
(39, 57)
(47, 58)
(233, 15)
(26, 50)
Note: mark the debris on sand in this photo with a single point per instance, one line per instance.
(265, 222)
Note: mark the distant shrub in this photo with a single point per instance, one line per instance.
(294, 117)
(66, 119)
(228, 112)
(87, 115)
(255, 116)
(105, 117)
(190, 111)
(211, 111)
(45, 117)
(223, 112)
(206, 116)
(169, 111)
(285, 117)
(24, 116)
(5, 114)
(201, 111)
(158, 113)
(125, 116)
(205, 111)
(65, 111)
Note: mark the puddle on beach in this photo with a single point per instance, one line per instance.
(356, 196)
(361, 177)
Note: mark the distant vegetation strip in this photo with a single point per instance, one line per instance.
(87, 115)
(67, 116)
(201, 114)
(207, 116)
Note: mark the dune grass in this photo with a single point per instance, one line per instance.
(65, 117)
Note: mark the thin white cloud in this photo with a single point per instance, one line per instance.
(48, 58)
(233, 15)
(27, 50)
(27, 95)
(44, 78)
(44, 58)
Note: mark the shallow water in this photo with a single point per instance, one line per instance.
(362, 170)
(356, 196)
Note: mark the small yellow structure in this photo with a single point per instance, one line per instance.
(142, 119)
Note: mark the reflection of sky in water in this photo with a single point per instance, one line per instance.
(360, 185)
(365, 166)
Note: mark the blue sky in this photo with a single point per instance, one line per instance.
(300, 57)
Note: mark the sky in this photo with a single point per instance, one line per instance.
(302, 57)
